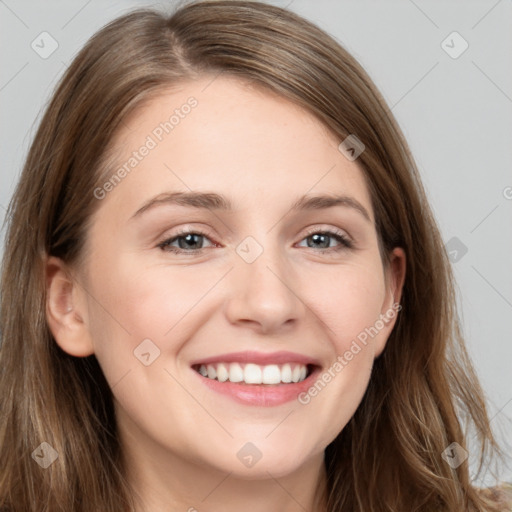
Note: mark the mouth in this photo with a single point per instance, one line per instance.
(258, 379)
(253, 374)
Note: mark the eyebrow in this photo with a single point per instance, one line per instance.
(213, 201)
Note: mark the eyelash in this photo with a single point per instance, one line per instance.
(344, 241)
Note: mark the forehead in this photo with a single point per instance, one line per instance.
(221, 134)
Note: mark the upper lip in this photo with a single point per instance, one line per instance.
(260, 358)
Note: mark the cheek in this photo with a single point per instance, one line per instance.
(348, 300)
(161, 302)
(130, 303)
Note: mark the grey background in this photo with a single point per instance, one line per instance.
(455, 112)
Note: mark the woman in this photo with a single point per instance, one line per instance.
(253, 371)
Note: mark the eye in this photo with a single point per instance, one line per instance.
(188, 242)
(322, 240)
(191, 242)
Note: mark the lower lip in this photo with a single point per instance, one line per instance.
(263, 395)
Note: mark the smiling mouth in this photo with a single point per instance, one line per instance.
(254, 374)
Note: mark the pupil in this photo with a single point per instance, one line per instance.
(316, 237)
(189, 241)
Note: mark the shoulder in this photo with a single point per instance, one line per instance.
(500, 494)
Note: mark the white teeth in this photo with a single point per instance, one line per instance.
(252, 374)
(286, 373)
(255, 374)
(212, 373)
(236, 373)
(222, 373)
(271, 374)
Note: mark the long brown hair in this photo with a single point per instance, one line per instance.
(389, 456)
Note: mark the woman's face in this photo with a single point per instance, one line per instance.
(243, 276)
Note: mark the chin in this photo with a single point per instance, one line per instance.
(252, 463)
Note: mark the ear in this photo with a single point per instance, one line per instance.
(66, 309)
(394, 279)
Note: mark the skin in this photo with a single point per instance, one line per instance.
(181, 439)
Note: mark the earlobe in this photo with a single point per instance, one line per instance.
(66, 310)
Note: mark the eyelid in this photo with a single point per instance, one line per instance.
(330, 229)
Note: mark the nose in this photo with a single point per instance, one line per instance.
(264, 294)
